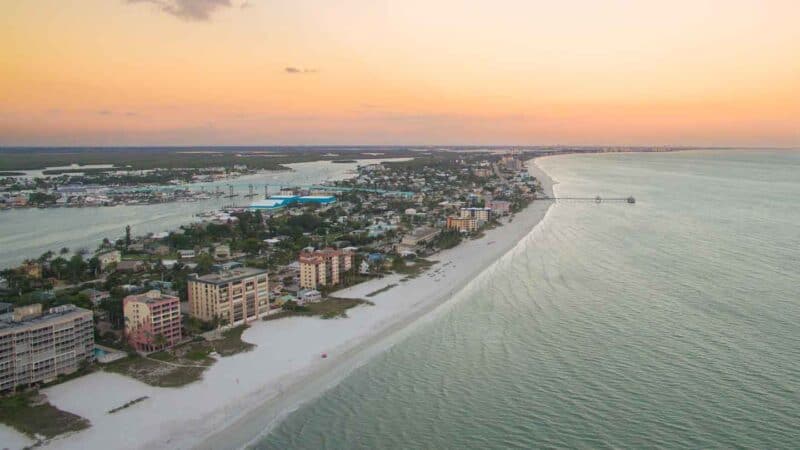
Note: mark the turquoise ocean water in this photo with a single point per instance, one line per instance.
(674, 323)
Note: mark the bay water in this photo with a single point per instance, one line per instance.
(27, 233)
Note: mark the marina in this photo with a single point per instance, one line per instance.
(29, 232)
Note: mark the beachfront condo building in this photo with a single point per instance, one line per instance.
(511, 163)
(499, 207)
(37, 347)
(464, 225)
(482, 215)
(323, 267)
(233, 296)
(152, 321)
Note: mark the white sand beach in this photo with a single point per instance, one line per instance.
(241, 397)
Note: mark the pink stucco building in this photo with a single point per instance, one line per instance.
(152, 321)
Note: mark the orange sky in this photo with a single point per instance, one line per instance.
(208, 72)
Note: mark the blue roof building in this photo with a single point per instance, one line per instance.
(281, 201)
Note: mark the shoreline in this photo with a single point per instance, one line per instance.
(313, 383)
(241, 398)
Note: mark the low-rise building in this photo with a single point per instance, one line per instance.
(186, 254)
(107, 259)
(308, 296)
(420, 236)
(95, 296)
(222, 252)
(226, 266)
(379, 229)
(281, 300)
(152, 321)
(160, 250)
(19, 201)
(131, 265)
(237, 296)
(6, 312)
(37, 347)
(32, 269)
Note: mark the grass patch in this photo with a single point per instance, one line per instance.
(383, 289)
(183, 364)
(231, 342)
(25, 413)
(162, 356)
(330, 308)
(199, 354)
(414, 270)
(335, 307)
(160, 371)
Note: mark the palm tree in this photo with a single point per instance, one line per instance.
(160, 341)
(46, 256)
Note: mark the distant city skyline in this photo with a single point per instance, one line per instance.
(303, 72)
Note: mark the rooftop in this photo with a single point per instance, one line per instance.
(65, 311)
(151, 297)
(424, 231)
(230, 275)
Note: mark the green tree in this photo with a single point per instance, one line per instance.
(398, 263)
(160, 341)
(58, 266)
(40, 198)
(46, 256)
(304, 223)
(76, 268)
(113, 308)
(94, 266)
(251, 246)
(204, 263)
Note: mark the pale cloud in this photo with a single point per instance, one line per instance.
(198, 10)
(299, 71)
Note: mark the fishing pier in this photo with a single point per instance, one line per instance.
(598, 199)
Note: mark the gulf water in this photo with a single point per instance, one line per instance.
(672, 323)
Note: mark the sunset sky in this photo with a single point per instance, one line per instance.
(315, 72)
